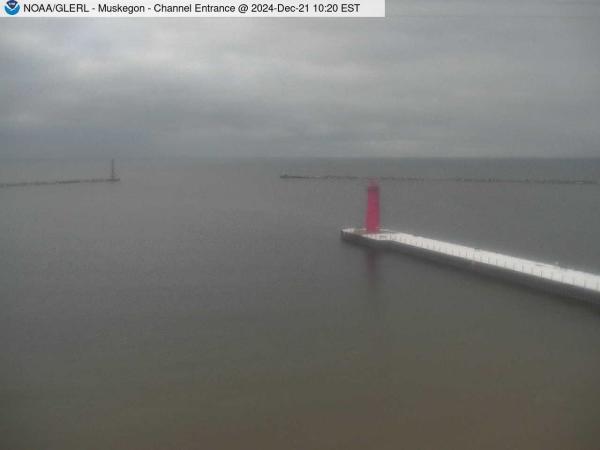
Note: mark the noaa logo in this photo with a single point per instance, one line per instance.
(12, 7)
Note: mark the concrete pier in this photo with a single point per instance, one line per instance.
(49, 183)
(550, 278)
(113, 179)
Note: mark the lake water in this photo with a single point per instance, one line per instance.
(205, 304)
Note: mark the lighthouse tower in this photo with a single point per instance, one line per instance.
(372, 215)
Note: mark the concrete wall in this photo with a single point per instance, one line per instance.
(552, 287)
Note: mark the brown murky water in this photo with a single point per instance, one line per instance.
(211, 305)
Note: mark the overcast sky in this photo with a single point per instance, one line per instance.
(447, 78)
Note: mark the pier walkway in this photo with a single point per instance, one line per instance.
(575, 281)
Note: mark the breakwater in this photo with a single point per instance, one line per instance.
(49, 183)
(547, 277)
(112, 179)
(451, 179)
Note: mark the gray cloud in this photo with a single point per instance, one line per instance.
(432, 79)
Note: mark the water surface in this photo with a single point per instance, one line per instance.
(205, 304)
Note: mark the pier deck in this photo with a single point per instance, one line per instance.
(552, 278)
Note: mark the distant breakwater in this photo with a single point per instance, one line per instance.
(452, 180)
(49, 183)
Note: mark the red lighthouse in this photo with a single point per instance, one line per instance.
(372, 216)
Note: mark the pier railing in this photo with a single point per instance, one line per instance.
(525, 266)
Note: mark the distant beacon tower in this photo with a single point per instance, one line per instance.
(113, 174)
(372, 216)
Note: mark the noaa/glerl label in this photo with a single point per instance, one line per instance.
(220, 8)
